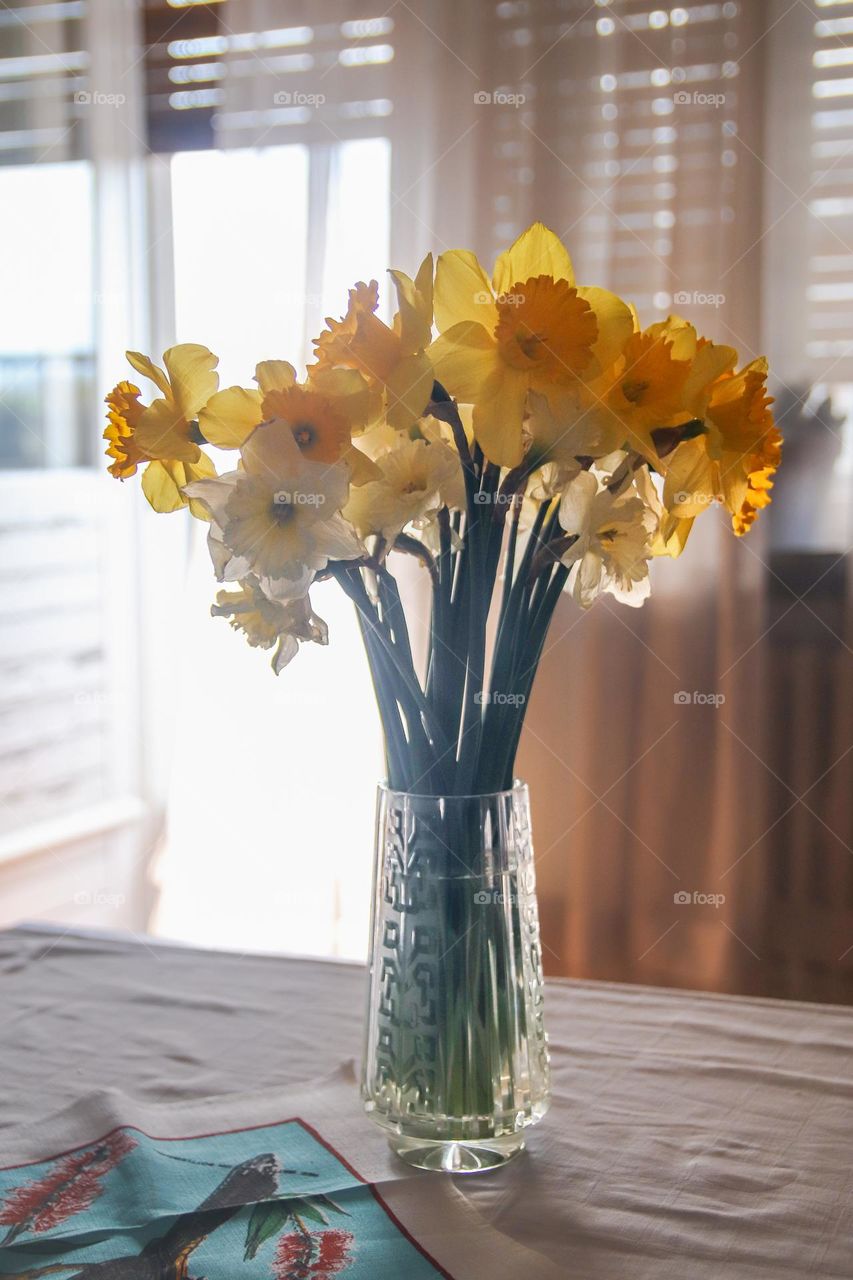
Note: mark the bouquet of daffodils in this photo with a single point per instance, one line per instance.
(540, 442)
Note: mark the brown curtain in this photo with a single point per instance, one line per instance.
(667, 747)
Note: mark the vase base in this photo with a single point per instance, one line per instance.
(458, 1157)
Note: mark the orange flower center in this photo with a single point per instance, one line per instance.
(321, 430)
(544, 327)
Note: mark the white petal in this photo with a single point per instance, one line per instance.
(576, 503)
(337, 539)
(288, 647)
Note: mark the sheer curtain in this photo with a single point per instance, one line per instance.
(269, 842)
(674, 149)
(694, 158)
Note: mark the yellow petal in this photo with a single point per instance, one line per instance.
(230, 416)
(162, 433)
(163, 483)
(680, 333)
(274, 375)
(689, 487)
(615, 324)
(671, 538)
(201, 470)
(463, 292)
(191, 373)
(414, 300)
(352, 396)
(142, 364)
(536, 252)
(497, 422)
(362, 469)
(467, 362)
(409, 387)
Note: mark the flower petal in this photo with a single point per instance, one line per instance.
(409, 388)
(352, 396)
(162, 432)
(163, 483)
(536, 252)
(414, 302)
(689, 487)
(337, 539)
(230, 416)
(462, 291)
(213, 493)
(467, 363)
(587, 579)
(362, 469)
(142, 364)
(274, 375)
(191, 373)
(498, 422)
(272, 451)
(576, 503)
(615, 324)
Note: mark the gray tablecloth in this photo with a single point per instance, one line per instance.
(691, 1136)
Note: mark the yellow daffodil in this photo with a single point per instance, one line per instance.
(416, 478)
(392, 360)
(122, 420)
(270, 623)
(734, 461)
(278, 515)
(611, 543)
(528, 329)
(646, 388)
(165, 434)
(322, 415)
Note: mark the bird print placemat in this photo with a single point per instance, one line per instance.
(196, 1193)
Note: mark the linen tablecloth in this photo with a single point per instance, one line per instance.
(690, 1136)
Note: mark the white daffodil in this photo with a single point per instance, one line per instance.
(418, 477)
(270, 623)
(612, 541)
(278, 517)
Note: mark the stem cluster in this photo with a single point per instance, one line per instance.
(457, 732)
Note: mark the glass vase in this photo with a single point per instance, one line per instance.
(456, 1056)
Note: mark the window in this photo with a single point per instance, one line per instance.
(47, 374)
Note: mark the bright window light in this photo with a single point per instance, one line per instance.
(240, 228)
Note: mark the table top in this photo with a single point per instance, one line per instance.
(690, 1135)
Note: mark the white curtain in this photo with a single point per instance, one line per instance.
(659, 144)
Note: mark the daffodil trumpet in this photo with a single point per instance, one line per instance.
(516, 436)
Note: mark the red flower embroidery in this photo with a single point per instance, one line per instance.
(314, 1255)
(70, 1185)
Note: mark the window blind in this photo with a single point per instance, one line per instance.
(44, 81)
(828, 169)
(265, 72)
(620, 124)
